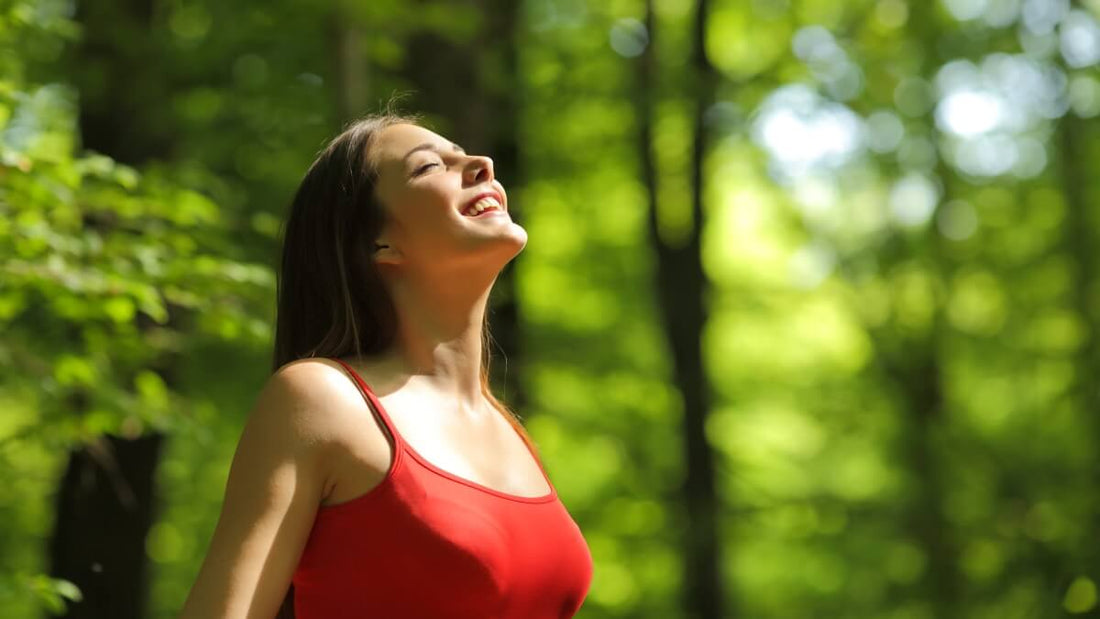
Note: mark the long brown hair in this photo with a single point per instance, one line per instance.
(331, 297)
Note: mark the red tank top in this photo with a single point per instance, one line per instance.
(425, 543)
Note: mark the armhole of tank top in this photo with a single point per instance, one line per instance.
(379, 417)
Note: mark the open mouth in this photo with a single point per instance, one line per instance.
(483, 205)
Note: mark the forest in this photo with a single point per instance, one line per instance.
(806, 326)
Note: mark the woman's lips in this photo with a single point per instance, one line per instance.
(490, 211)
(488, 194)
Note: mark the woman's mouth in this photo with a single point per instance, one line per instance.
(489, 212)
(487, 204)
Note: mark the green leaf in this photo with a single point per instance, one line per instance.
(119, 309)
(1081, 596)
(68, 590)
(74, 370)
(151, 389)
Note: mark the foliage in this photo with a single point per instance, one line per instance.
(900, 215)
(106, 271)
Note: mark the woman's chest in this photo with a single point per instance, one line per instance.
(485, 451)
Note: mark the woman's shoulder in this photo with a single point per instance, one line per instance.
(313, 381)
(330, 413)
(313, 374)
(316, 395)
(320, 371)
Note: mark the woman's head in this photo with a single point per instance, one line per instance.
(427, 186)
(382, 201)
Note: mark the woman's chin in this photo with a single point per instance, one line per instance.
(502, 248)
(518, 234)
(506, 231)
(511, 244)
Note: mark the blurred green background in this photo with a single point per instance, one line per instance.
(806, 325)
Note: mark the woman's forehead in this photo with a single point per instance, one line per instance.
(396, 141)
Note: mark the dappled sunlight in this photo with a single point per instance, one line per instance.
(831, 286)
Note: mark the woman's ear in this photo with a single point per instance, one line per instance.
(385, 254)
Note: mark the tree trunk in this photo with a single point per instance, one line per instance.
(104, 510)
(352, 66)
(917, 370)
(120, 83)
(681, 288)
(1072, 137)
(922, 386)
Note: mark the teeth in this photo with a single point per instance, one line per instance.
(484, 204)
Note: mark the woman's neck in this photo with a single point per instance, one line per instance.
(439, 331)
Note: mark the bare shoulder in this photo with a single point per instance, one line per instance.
(322, 405)
(311, 394)
(357, 449)
(281, 472)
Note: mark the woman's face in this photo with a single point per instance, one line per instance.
(425, 185)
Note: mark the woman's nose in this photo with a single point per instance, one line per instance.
(480, 169)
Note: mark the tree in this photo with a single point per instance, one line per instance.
(681, 289)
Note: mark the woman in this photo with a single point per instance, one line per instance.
(377, 476)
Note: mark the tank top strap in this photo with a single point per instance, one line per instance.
(368, 393)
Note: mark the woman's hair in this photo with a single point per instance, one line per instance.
(331, 297)
(331, 300)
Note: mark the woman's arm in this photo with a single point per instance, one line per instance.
(276, 482)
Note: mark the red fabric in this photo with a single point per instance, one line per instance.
(428, 544)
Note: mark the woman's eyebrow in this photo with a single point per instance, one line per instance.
(430, 146)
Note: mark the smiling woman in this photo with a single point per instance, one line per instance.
(377, 475)
(425, 184)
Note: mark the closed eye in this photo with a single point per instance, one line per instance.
(425, 167)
